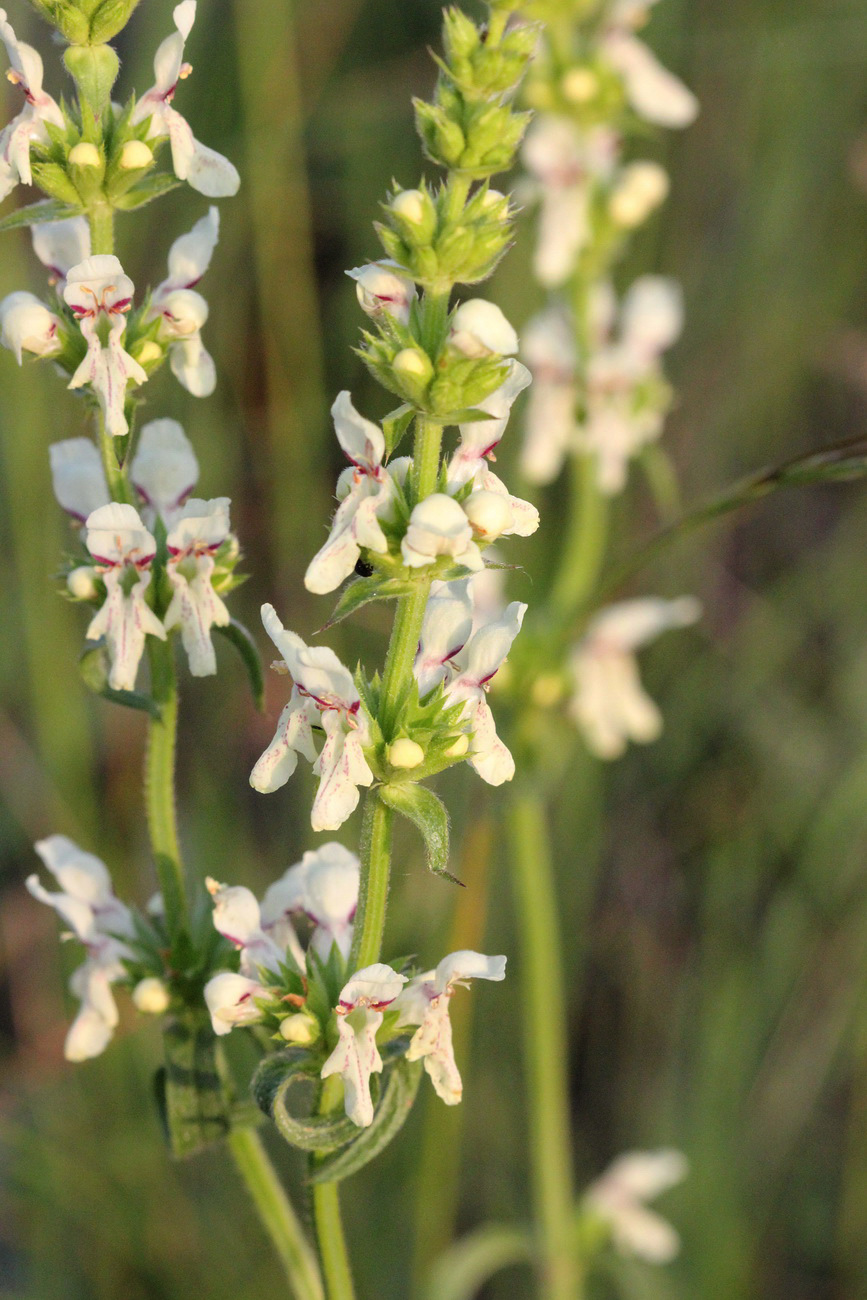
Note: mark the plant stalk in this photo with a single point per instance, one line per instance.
(277, 1214)
(584, 546)
(545, 1054)
(327, 1219)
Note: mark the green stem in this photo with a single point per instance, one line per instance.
(116, 476)
(584, 545)
(326, 1214)
(100, 218)
(276, 1213)
(160, 784)
(373, 894)
(545, 1052)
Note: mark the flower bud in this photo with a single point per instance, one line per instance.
(460, 746)
(405, 753)
(151, 996)
(81, 582)
(641, 188)
(437, 526)
(301, 1029)
(489, 513)
(492, 199)
(381, 291)
(479, 329)
(148, 353)
(135, 155)
(580, 85)
(26, 325)
(85, 155)
(415, 216)
(414, 362)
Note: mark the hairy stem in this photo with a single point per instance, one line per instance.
(373, 894)
(326, 1214)
(276, 1214)
(545, 1055)
(100, 218)
(160, 784)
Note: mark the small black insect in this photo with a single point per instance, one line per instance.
(363, 569)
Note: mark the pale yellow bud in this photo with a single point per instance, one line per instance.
(300, 1029)
(547, 690)
(410, 205)
(405, 753)
(149, 352)
(85, 155)
(412, 361)
(134, 155)
(580, 85)
(491, 199)
(151, 996)
(641, 189)
(459, 748)
(81, 582)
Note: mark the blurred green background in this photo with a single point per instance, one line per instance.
(713, 886)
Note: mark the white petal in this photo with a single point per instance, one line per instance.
(355, 1058)
(190, 255)
(78, 477)
(448, 621)
(60, 245)
(633, 623)
(468, 965)
(361, 439)
(164, 469)
(652, 315)
(654, 92)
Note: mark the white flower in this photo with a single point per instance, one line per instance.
(382, 289)
(479, 441)
(438, 526)
(618, 1198)
(450, 651)
(164, 471)
(29, 126)
(654, 92)
(60, 245)
(619, 419)
(324, 695)
(365, 491)
(26, 325)
(609, 703)
(198, 533)
(87, 904)
(566, 164)
(95, 287)
(479, 329)
(640, 188)
(323, 886)
(78, 477)
(230, 1000)
(238, 918)
(123, 549)
(184, 311)
(425, 1002)
(548, 347)
(359, 1015)
(207, 171)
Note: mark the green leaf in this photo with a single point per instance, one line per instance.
(462, 1271)
(94, 667)
(271, 1086)
(422, 807)
(35, 213)
(191, 1090)
(398, 1095)
(152, 187)
(362, 591)
(242, 639)
(395, 425)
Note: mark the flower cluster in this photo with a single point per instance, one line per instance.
(92, 312)
(283, 987)
(115, 941)
(616, 1202)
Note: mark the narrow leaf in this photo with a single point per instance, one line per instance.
(361, 592)
(153, 187)
(271, 1086)
(190, 1089)
(422, 807)
(94, 668)
(35, 214)
(398, 1095)
(242, 639)
(395, 425)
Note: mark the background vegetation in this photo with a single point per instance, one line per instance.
(713, 886)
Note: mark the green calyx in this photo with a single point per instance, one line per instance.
(86, 22)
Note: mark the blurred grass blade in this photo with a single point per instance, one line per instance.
(464, 1269)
